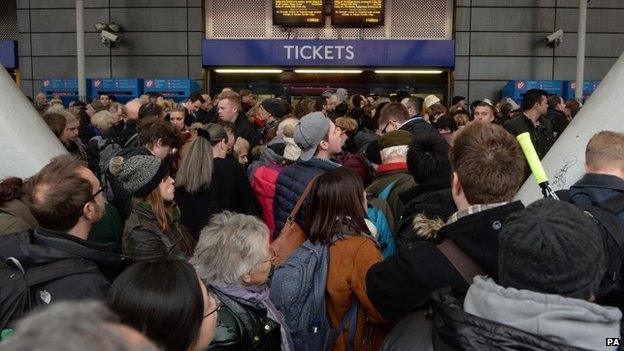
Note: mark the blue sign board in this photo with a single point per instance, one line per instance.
(515, 89)
(569, 88)
(65, 89)
(123, 89)
(176, 89)
(8, 54)
(331, 52)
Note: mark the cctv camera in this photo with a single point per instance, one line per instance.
(110, 38)
(555, 38)
(114, 27)
(100, 26)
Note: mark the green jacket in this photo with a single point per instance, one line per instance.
(244, 325)
(15, 217)
(109, 229)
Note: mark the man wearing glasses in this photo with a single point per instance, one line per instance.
(67, 200)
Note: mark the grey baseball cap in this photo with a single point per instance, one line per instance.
(309, 132)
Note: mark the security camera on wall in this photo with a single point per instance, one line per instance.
(109, 39)
(555, 38)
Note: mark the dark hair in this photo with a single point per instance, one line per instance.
(162, 299)
(320, 102)
(341, 109)
(11, 188)
(195, 97)
(151, 129)
(357, 100)
(335, 205)
(532, 97)
(150, 109)
(56, 195)
(401, 94)
(428, 158)
(303, 107)
(446, 122)
(489, 163)
(229, 128)
(553, 101)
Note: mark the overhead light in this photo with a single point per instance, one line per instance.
(329, 71)
(407, 71)
(248, 70)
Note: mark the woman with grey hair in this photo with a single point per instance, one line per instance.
(209, 182)
(233, 255)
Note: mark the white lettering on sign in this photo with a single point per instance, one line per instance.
(319, 52)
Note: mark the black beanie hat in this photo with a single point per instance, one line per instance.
(551, 247)
(457, 99)
(276, 107)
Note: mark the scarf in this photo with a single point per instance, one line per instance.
(260, 293)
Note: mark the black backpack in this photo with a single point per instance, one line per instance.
(604, 215)
(19, 294)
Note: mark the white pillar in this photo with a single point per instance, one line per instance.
(80, 52)
(580, 50)
(564, 163)
(26, 142)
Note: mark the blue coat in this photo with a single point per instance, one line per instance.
(290, 185)
(596, 188)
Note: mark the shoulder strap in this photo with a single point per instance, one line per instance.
(52, 271)
(306, 191)
(351, 318)
(385, 193)
(614, 204)
(465, 265)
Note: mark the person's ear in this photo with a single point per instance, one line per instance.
(324, 144)
(89, 210)
(246, 278)
(456, 186)
(159, 142)
(587, 168)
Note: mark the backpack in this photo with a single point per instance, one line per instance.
(604, 215)
(379, 213)
(106, 150)
(298, 289)
(19, 286)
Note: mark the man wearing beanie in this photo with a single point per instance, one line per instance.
(488, 169)
(270, 112)
(319, 140)
(551, 260)
(392, 176)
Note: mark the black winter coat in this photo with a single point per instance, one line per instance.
(245, 130)
(542, 136)
(449, 328)
(558, 120)
(229, 191)
(42, 246)
(244, 325)
(418, 126)
(404, 281)
(291, 183)
(434, 200)
(454, 329)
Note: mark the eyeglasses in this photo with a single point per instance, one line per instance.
(386, 127)
(215, 310)
(102, 189)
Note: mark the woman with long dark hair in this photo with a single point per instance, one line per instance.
(167, 302)
(336, 217)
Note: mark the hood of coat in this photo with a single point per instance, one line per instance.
(19, 208)
(570, 321)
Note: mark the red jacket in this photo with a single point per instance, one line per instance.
(263, 183)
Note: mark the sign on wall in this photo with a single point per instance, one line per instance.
(360, 53)
(357, 13)
(298, 13)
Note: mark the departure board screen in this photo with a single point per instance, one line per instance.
(298, 13)
(358, 13)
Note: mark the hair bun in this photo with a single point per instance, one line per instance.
(115, 165)
(289, 130)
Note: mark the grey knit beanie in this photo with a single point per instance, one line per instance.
(139, 174)
(551, 247)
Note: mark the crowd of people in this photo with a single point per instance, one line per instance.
(335, 223)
